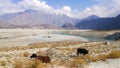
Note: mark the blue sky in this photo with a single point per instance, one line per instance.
(74, 4)
(72, 8)
(15, 1)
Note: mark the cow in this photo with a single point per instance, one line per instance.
(33, 56)
(43, 59)
(82, 51)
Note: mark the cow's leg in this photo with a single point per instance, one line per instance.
(77, 53)
(84, 54)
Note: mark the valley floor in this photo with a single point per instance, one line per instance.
(110, 63)
(16, 49)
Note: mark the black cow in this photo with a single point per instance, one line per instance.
(33, 56)
(82, 51)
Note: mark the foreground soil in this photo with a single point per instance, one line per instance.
(62, 54)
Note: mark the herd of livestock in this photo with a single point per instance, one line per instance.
(46, 59)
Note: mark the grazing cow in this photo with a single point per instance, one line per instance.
(82, 51)
(33, 56)
(43, 59)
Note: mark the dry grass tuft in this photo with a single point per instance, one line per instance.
(40, 52)
(39, 64)
(26, 54)
(59, 62)
(2, 63)
(42, 45)
(63, 53)
(19, 64)
(78, 62)
(29, 64)
(114, 54)
(99, 57)
(90, 58)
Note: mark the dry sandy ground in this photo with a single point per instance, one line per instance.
(23, 37)
(61, 53)
(110, 63)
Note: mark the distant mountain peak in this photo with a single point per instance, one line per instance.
(93, 17)
(68, 26)
(30, 10)
(118, 16)
(109, 23)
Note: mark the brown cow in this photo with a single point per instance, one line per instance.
(43, 59)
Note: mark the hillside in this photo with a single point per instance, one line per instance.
(68, 26)
(91, 17)
(115, 36)
(43, 20)
(4, 24)
(100, 23)
(36, 18)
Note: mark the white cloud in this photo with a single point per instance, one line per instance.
(67, 10)
(95, 10)
(64, 10)
(41, 5)
(35, 4)
(103, 8)
(7, 6)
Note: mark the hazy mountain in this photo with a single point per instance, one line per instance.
(39, 19)
(69, 26)
(33, 18)
(9, 16)
(100, 23)
(115, 36)
(90, 18)
(4, 24)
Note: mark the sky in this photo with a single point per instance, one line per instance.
(72, 8)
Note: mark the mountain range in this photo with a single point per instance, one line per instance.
(92, 17)
(43, 20)
(100, 23)
(37, 19)
(4, 24)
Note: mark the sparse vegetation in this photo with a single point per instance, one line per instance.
(19, 64)
(42, 45)
(114, 54)
(2, 63)
(62, 53)
(79, 62)
(26, 54)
